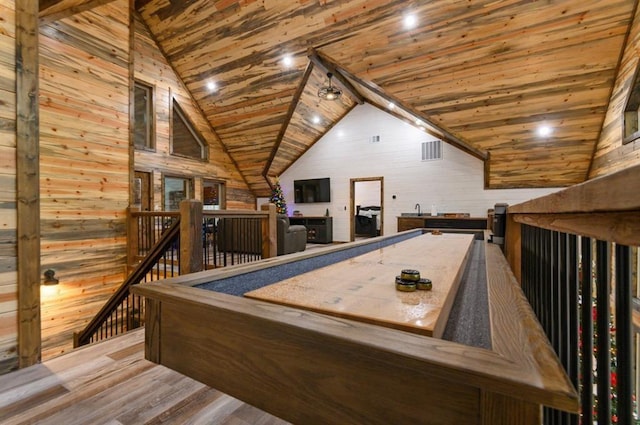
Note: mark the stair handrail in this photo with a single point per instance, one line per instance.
(160, 247)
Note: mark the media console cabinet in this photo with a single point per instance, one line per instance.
(319, 229)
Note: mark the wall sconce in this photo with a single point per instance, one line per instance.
(49, 278)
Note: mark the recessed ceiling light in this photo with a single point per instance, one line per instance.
(544, 131)
(316, 119)
(212, 86)
(391, 105)
(418, 122)
(410, 21)
(287, 61)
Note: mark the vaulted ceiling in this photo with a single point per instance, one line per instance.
(483, 75)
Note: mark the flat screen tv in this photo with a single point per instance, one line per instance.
(312, 190)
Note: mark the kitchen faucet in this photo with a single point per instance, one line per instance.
(417, 207)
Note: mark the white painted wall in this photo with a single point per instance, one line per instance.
(454, 184)
(367, 194)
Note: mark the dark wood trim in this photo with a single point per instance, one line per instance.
(352, 202)
(28, 182)
(487, 171)
(325, 67)
(430, 127)
(286, 121)
(47, 15)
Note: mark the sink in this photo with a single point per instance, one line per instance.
(410, 215)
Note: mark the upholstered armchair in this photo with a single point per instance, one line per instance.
(290, 238)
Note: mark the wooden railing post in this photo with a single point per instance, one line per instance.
(190, 236)
(512, 246)
(269, 232)
(133, 232)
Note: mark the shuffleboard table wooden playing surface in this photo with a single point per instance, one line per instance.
(363, 288)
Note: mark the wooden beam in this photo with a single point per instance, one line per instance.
(326, 67)
(614, 192)
(54, 10)
(28, 182)
(287, 119)
(430, 127)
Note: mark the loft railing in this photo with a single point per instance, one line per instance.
(575, 253)
(169, 244)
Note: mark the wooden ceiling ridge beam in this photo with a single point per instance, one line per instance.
(438, 131)
(54, 10)
(329, 66)
(287, 120)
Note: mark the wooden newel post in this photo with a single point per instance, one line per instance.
(269, 232)
(190, 236)
(133, 232)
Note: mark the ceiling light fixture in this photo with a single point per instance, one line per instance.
(544, 131)
(410, 21)
(329, 92)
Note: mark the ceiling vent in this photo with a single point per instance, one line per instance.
(432, 150)
(375, 139)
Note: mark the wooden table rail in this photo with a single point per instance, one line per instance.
(310, 368)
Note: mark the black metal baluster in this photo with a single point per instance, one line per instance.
(524, 264)
(573, 356)
(624, 346)
(603, 355)
(535, 267)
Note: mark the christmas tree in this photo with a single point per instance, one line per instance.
(277, 198)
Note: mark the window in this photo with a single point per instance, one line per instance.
(213, 195)
(176, 189)
(185, 140)
(630, 126)
(143, 116)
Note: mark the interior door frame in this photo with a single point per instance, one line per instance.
(145, 193)
(352, 204)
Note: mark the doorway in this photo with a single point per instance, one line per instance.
(366, 207)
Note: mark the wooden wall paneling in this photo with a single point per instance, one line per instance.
(27, 176)
(8, 198)
(610, 154)
(84, 165)
(151, 66)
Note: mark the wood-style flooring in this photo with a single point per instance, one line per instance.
(111, 383)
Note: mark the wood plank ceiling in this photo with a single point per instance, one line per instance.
(482, 75)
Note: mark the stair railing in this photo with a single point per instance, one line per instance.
(124, 311)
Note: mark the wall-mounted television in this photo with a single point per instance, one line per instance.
(312, 190)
